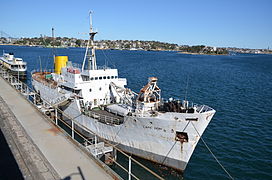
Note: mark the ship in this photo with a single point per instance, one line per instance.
(140, 123)
(16, 66)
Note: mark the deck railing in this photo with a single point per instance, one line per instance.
(103, 118)
(203, 108)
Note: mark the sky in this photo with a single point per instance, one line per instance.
(221, 23)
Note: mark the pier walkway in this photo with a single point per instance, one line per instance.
(46, 153)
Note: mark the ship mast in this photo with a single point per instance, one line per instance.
(90, 49)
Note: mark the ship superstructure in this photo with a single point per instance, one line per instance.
(15, 65)
(142, 124)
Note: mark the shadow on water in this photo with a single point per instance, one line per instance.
(8, 165)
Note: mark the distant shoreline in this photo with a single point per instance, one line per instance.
(220, 54)
(11, 45)
(84, 47)
(181, 52)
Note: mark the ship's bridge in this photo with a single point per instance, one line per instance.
(93, 85)
(99, 74)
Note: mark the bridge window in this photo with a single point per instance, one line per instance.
(104, 77)
(115, 77)
(85, 78)
(96, 78)
(108, 77)
(92, 78)
(112, 77)
(100, 78)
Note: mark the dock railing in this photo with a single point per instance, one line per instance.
(52, 113)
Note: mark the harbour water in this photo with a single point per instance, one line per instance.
(238, 87)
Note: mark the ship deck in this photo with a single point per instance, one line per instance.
(41, 77)
(104, 116)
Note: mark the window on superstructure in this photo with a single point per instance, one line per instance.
(104, 77)
(115, 77)
(100, 78)
(92, 78)
(67, 88)
(108, 77)
(77, 91)
(90, 90)
(100, 89)
(96, 78)
(112, 77)
(85, 78)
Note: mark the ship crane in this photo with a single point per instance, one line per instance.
(149, 96)
(150, 92)
(125, 94)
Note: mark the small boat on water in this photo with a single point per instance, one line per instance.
(15, 65)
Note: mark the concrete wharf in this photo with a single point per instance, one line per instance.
(41, 150)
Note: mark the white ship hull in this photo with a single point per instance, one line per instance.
(151, 138)
(139, 123)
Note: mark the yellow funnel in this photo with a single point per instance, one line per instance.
(60, 62)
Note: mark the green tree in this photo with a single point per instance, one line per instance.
(47, 41)
(127, 46)
(78, 43)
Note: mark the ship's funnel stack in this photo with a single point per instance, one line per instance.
(60, 62)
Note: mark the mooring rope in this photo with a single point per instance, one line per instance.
(174, 144)
(212, 153)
